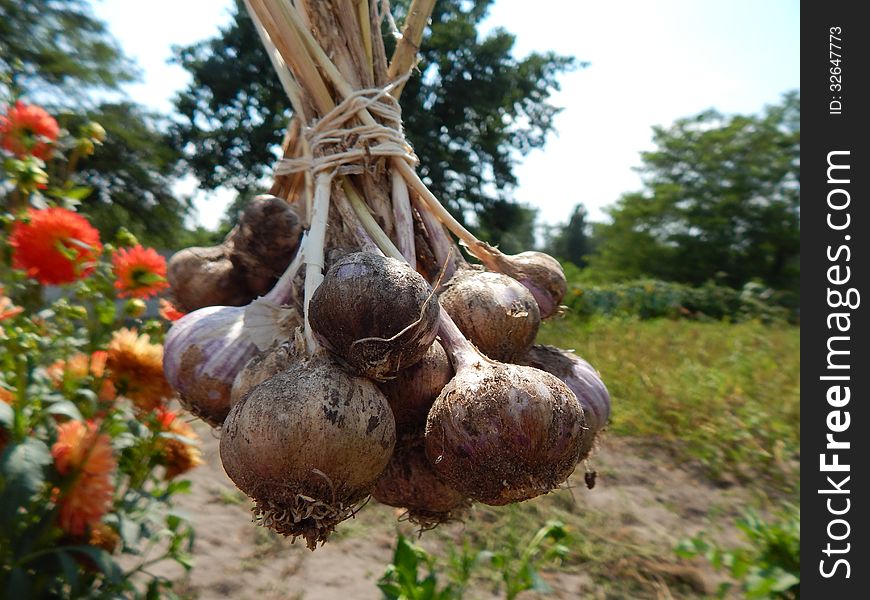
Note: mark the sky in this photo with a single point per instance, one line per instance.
(651, 62)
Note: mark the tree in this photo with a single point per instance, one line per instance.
(56, 51)
(508, 225)
(131, 176)
(570, 241)
(473, 110)
(721, 201)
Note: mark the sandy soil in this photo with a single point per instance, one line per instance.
(645, 500)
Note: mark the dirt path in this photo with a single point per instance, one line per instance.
(643, 503)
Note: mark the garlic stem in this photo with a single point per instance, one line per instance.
(291, 25)
(479, 249)
(371, 226)
(312, 248)
(462, 353)
(447, 255)
(291, 88)
(349, 219)
(274, 18)
(362, 7)
(402, 218)
(405, 55)
(280, 292)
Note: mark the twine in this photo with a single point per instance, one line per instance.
(349, 150)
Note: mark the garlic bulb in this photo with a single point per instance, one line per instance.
(540, 273)
(206, 349)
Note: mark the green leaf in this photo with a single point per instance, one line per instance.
(76, 193)
(390, 590)
(70, 570)
(7, 416)
(102, 559)
(18, 584)
(185, 560)
(181, 486)
(784, 581)
(23, 467)
(538, 584)
(153, 590)
(105, 310)
(65, 408)
(498, 561)
(405, 558)
(86, 395)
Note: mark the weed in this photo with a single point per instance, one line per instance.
(769, 567)
(515, 565)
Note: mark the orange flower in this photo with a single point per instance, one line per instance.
(178, 456)
(28, 129)
(75, 367)
(78, 366)
(7, 309)
(98, 362)
(56, 246)
(140, 272)
(168, 310)
(86, 454)
(136, 368)
(6, 396)
(103, 536)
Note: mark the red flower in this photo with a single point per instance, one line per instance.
(56, 245)
(27, 129)
(169, 311)
(140, 272)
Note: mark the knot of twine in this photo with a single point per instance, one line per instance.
(348, 150)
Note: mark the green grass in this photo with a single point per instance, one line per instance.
(725, 394)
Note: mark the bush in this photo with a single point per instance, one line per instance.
(90, 453)
(652, 298)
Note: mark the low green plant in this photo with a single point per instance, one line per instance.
(403, 580)
(724, 394)
(518, 565)
(768, 567)
(515, 566)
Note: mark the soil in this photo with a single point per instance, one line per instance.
(642, 502)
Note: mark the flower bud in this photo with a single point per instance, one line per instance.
(94, 132)
(135, 307)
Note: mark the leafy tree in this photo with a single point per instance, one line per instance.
(508, 225)
(721, 201)
(131, 177)
(469, 115)
(57, 51)
(476, 107)
(571, 241)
